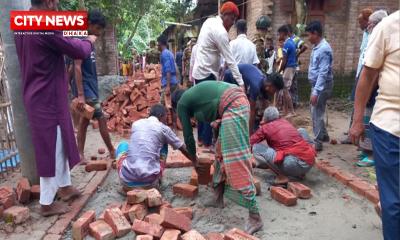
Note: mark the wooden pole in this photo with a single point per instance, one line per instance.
(22, 130)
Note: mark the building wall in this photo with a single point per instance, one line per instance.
(107, 53)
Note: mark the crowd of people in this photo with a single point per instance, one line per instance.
(224, 86)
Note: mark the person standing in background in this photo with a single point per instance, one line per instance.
(243, 50)
(153, 54)
(382, 68)
(186, 67)
(178, 60)
(320, 76)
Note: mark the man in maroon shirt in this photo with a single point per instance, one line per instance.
(288, 152)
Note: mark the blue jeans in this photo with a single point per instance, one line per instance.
(387, 158)
(318, 113)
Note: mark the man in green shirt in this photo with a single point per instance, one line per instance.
(226, 107)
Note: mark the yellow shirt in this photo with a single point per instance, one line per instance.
(124, 69)
(383, 52)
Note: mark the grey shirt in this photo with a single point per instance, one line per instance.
(143, 161)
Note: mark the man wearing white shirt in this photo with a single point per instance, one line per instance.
(243, 50)
(213, 42)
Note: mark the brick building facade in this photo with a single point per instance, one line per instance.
(339, 18)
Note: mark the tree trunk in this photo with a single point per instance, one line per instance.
(132, 34)
(22, 130)
(81, 5)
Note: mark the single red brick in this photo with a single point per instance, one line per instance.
(187, 211)
(101, 150)
(95, 124)
(144, 237)
(322, 163)
(16, 214)
(109, 206)
(35, 192)
(215, 236)
(7, 197)
(185, 190)
(372, 195)
(142, 227)
(137, 211)
(125, 209)
(300, 190)
(154, 198)
(329, 170)
(194, 178)
(172, 219)
(116, 219)
(171, 234)
(136, 196)
(99, 165)
(177, 162)
(283, 196)
(360, 186)
(100, 230)
(23, 190)
(153, 218)
(237, 234)
(257, 184)
(192, 235)
(206, 162)
(333, 141)
(80, 228)
(93, 158)
(344, 177)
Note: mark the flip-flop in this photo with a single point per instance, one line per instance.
(365, 162)
(362, 155)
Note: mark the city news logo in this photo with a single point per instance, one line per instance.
(71, 23)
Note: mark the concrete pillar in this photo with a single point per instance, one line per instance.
(22, 130)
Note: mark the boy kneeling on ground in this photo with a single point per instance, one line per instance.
(288, 153)
(141, 162)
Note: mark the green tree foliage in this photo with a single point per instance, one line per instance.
(136, 21)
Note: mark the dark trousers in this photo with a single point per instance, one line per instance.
(387, 158)
(204, 130)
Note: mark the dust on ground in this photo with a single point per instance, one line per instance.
(334, 212)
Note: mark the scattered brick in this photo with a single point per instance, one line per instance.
(125, 209)
(35, 192)
(344, 177)
(116, 219)
(372, 195)
(194, 178)
(283, 196)
(257, 184)
(100, 230)
(95, 124)
(187, 211)
(171, 234)
(145, 228)
(23, 191)
(16, 214)
(192, 235)
(333, 141)
(172, 219)
(185, 190)
(237, 234)
(109, 206)
(215, 236)
(329, 170)
(137, 211)
(360, 186)
(99, 165)
(80, 228)
(144, 237)
(93, 158)
(136, 196)
(153, 218)
(154, 198)
(300, 190)
(101, 150)
(7, 197)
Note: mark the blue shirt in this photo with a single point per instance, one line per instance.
(89, 78)
(363, 47)
(320, 69)
(253, 79)
(179, 56)
(290, 51)
(168, 65)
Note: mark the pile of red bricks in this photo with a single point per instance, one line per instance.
(131, 100)
(24, 193)
(150, 217)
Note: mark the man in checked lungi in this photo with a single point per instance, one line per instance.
(226, 107)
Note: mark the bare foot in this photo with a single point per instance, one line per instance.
(56, 208)
(69, 193)
(281, 180)
(254, 224)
